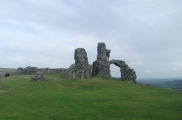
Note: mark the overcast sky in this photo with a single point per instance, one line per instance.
(146, 34)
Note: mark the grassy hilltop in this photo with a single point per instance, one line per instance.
(93, 99)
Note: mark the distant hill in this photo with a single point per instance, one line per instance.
(175, 84)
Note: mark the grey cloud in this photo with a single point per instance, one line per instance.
(145, 31)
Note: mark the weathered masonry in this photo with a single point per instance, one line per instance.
(83, 70)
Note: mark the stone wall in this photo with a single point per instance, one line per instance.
(33, 70)
(7, 74)
(28, 70)
(126, 72)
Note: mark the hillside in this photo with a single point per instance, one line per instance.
(93, 99)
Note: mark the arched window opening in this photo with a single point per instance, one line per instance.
(115, 72)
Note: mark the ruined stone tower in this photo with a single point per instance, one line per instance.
(101, 67)
(81, 68)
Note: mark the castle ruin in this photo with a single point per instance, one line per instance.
(82, 70)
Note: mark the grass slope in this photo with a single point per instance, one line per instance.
(93, 99)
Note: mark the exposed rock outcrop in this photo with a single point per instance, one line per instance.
(101, 67)
(126, 72)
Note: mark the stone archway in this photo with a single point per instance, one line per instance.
(115, 72)
(126, 72)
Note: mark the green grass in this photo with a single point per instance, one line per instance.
(93, 99)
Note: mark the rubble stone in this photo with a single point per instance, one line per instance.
(40, 77)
